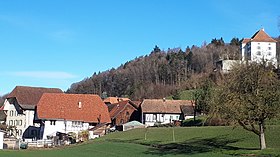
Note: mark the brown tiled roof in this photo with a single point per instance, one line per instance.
(119, 107)
(163, 106)
(114, 100)
(66, 106)
(261, 36)
(137, 103)
(246, 40)
(28, 97)
(187, 110)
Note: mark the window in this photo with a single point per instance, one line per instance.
(16, 114)
(154, 117)
(258, 47)
(127, 113)
(269, 48)
(16, 122)
(19, 132)
(11, 113)
(20, 122)
(11, 122)
(52, 122)
(259, 53)
(77, 124)
(269, 53)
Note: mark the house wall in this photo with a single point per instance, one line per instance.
(264, 50)
(150, 118)
(20, 120)
(256, 51)
(228, 64)
(50, 127)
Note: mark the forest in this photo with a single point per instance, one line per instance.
(163, 72)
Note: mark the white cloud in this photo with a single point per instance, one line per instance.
(44, 74)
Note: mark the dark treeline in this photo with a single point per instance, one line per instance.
(161, 73)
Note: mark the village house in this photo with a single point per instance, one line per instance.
(19, 108)
(123, 112)
(65, 113)
(162, 111)
(114, 100)
(260, 47)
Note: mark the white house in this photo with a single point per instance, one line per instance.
(19, 108)
(65, 113)
(163, 111)
(258, 48)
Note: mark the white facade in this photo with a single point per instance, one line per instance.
(1, 139)
(260, 47)
(21, 119)
(226, 65)
(150, 119)
(259, 51)
(51, 127)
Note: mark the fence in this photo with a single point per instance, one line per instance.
(40, 143)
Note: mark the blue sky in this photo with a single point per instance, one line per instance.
(54, 43)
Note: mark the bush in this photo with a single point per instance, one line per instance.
(191, 122)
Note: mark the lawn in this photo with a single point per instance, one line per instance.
(189, 141)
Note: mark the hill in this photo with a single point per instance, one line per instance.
(160, 73)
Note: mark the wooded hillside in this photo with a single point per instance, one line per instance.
(161, 73)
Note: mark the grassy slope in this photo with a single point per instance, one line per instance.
(195, 141)
(185, 95)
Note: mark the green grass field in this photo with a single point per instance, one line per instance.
(189, 141)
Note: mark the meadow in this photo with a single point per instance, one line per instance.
(179, 141)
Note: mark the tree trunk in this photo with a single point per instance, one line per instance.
(261, 136)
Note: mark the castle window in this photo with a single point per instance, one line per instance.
(269, 53)
(269, 48)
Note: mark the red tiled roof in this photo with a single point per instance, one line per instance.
(114, 100)
(246, 40)
(66, 106)
(163, 106)
(119, 107)
(261, 36)
(28, 97)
